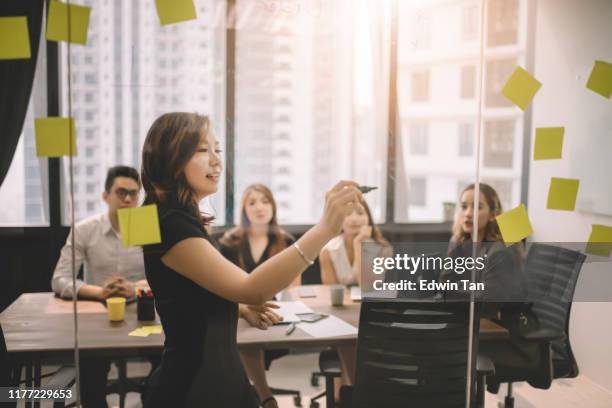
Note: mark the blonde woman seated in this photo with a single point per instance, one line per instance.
(341, 261)
(257, 238)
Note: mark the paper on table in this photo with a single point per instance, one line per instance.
(521, 88)
(514, 225)
(331, 326)
(139, 332)
(175, 11)
(307, 291)
(548, 143)
(289, 311)
(57, 22)
(562, 194)
(14, 38)
(153, 329)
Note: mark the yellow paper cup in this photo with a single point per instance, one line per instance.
(116, 308)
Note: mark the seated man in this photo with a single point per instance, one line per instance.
(111, 269)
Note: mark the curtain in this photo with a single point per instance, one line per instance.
(16, 79)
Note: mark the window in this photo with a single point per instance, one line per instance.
(275, 80)
(498, 72)
(502, 22)
(468, 82)
(420, 86)
(466, 139)
(499, 143)
(115, 123)
(417, 188)
(91, 188)
(418, 136)
(469, 22)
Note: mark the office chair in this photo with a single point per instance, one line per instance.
(413, 353)
(329, 368)
(539, 348)
(269, 357)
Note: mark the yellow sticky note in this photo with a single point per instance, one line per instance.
(548, 143)
(600, 240)
(139, 332)
(600, 80)
(14, 38)
(514, 225)
(54, 137)
(57, 22)
(139, 226)
(521, 88)
(562, 194)
(175, 11)
(153, 329)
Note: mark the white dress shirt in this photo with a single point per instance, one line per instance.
(99, 245)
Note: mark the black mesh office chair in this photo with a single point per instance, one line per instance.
(539, 348)
(413, 353)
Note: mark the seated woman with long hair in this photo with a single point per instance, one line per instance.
(257, 238)
(341, 263)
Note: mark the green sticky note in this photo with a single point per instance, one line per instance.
(175, 11)
(54, 137)
(58, 28)
(514, 225)
(562, 194)
(139, 332)
(139, 226)
(521, 88)
(548, 143)
(14, 38)
(600, 80)
(600, 240)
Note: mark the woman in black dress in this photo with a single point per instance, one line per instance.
(196, 289)
(257, 238)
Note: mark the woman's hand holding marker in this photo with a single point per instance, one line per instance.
(339, 202)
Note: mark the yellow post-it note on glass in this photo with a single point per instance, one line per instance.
(139, 226)
(14, 38)
(54, 137)
(521, 88)
(600, 80)
(600, 240)
(562, 194)
(175, 11)
(548, 143)
(514, 225)
(153, 329)
(139, 332)
(58, 28)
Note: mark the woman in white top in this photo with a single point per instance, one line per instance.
(341, 260)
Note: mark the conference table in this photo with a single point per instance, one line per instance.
(38, 329)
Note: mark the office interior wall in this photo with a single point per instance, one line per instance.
(570, 35)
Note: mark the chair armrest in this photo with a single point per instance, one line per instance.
(484, 366)
(542, 335)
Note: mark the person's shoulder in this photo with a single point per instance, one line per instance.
(230, 238)
(287, 236)
(92, 223)
(334, 244)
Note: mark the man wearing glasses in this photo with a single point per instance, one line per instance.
(111, 269)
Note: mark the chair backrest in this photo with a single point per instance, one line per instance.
(413, 354)
(552, 273)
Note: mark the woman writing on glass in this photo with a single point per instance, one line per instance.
(197, 290)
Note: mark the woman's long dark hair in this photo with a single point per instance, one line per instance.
(171, 142)
(376, 234)
(238, 237)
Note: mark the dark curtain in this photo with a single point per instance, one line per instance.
(16, 79)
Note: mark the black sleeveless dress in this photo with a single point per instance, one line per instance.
(200, 365)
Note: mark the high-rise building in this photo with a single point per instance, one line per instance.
(438, 85)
